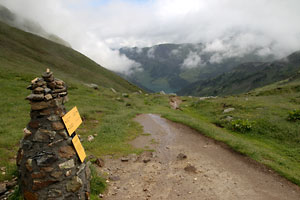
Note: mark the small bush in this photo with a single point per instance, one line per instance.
(294, 115)
(16, 195)
(98, 183)
(242, 125)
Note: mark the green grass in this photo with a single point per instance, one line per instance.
(272, 140)
(26, 53)
(102, 114)
(98, 184)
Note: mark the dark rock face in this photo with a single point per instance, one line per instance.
(48, 165)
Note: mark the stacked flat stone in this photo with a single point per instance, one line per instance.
(48, 165)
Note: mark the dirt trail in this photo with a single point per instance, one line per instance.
(220, 172)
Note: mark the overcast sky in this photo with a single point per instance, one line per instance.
(96, 27)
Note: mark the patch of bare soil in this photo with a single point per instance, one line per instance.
(187, 165)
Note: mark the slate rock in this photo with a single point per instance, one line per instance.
(38, 175)
(63, 134)
(39, 184)
(58, 126)
(100, 162)
(39, 136)
(30, 195)
(54, 193)
(39, 105)
(66, 152)
(229, 118)
(53, 118)
(48, 97)
(114, 178)
(74, 184)
(47, 74)
(181, 156)
(35, 97)
(29, 164)
(228, 110)
(47, 90)
(3, 188)
(67, 165)
(90, 138)
(46, 160)
(146, 160)
(38, 90)
(124, 159)
(34, 124)
(190, 168)
(113, 90)
(56, 174)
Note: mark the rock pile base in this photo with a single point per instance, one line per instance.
(48, 165)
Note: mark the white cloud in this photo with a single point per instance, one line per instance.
(216, 45)
(151, 52)
(230, 27)
(175, 52)
(192, 60)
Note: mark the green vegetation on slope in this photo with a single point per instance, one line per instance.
(245, 77)
(105, 113)
(27, 54)
(27, 25)
(163, 65)
(272, 139)
(258, 127)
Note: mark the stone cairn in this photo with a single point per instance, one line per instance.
(48, 165)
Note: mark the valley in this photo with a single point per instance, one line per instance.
(240, 139)
(179, 68)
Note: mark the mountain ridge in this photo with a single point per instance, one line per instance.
(12, 19)
(245, 77)
(171, 67)
(28, 53)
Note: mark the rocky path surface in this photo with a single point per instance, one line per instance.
(187, 165)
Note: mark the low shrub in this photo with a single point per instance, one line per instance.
(294, 115)
(241, 125)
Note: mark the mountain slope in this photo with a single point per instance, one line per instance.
(245, 77)
(30, 54)
(171, 67)
(27, 25)
(24, 56)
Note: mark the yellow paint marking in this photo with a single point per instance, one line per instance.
(72, 120)
(79, 148)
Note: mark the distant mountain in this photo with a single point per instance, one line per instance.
(27, 25)
(171, 67)
(245, 77)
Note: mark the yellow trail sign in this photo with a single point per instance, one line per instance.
(79, 148)
(72, 120)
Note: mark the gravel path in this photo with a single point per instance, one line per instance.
(209, 171)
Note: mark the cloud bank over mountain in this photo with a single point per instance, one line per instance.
(228, 28)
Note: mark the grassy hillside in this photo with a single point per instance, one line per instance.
(259, 127)
(264, 125)
(245, 77)
(27, 25)
(24, 56)
(163, 65)
(29, 54)
(271, 139)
